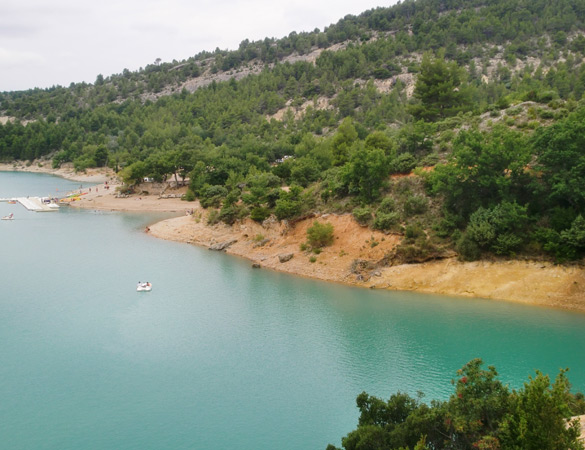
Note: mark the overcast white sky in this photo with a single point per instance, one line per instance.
(55, 42)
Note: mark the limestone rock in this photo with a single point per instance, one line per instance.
(222, 246)
(285, 257)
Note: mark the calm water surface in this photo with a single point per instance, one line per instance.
(219, 355)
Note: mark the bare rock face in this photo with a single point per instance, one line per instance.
(285, 257)
(261, 243)
(222, 246)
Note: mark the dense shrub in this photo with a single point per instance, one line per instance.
(212, 196)
(467, 248)
(363, 216)
(259, 213)
(386, 221)
(213, 217)
(500, 228)
(83, 163)
(413, 231)
(229, 214)
(387, 205)
(320, 234)
(289, 204)
(415, 205)
(403, 163)
(189, 196)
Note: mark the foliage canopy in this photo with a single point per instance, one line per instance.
(481, 413)
(484, 101)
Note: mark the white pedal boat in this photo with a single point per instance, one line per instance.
(144, 287)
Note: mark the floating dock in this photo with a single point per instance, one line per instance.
(37, 204)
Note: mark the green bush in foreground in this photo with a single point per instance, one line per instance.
(482, 413)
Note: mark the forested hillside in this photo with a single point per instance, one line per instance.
(457, 124)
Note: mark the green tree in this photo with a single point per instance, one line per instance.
(212, 195)
(160, 165)
(133, 173)
(101, 156)
(478, 406)
(289, 204)
(575, 236)
(381, 141)
(561, 162)
(481, 414)
(537, 417)
(342, 142)
(366, 172)
(304, 171)
(484, 169)
(260, 186)
(438, 89)
(501, 229)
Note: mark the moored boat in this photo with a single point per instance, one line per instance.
(8, 217)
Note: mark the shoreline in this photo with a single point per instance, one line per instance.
(530, 282)
(92, 176)
(102, 196)
(276, 246)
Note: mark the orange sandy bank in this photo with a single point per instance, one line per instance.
(277, 246)
(271, 247)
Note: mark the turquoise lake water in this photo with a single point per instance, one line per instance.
(220, 355)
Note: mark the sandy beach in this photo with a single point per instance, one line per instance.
(104, 194)
(276, 246)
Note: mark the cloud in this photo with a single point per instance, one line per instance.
(12, 59)
(13, 30)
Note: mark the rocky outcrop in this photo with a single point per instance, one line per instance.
(222, 246)
(261, 243)
(285, 257)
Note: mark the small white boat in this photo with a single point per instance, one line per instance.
(144, 287)
(8, 217)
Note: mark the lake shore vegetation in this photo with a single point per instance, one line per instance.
(482, 413)
(456, 127)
